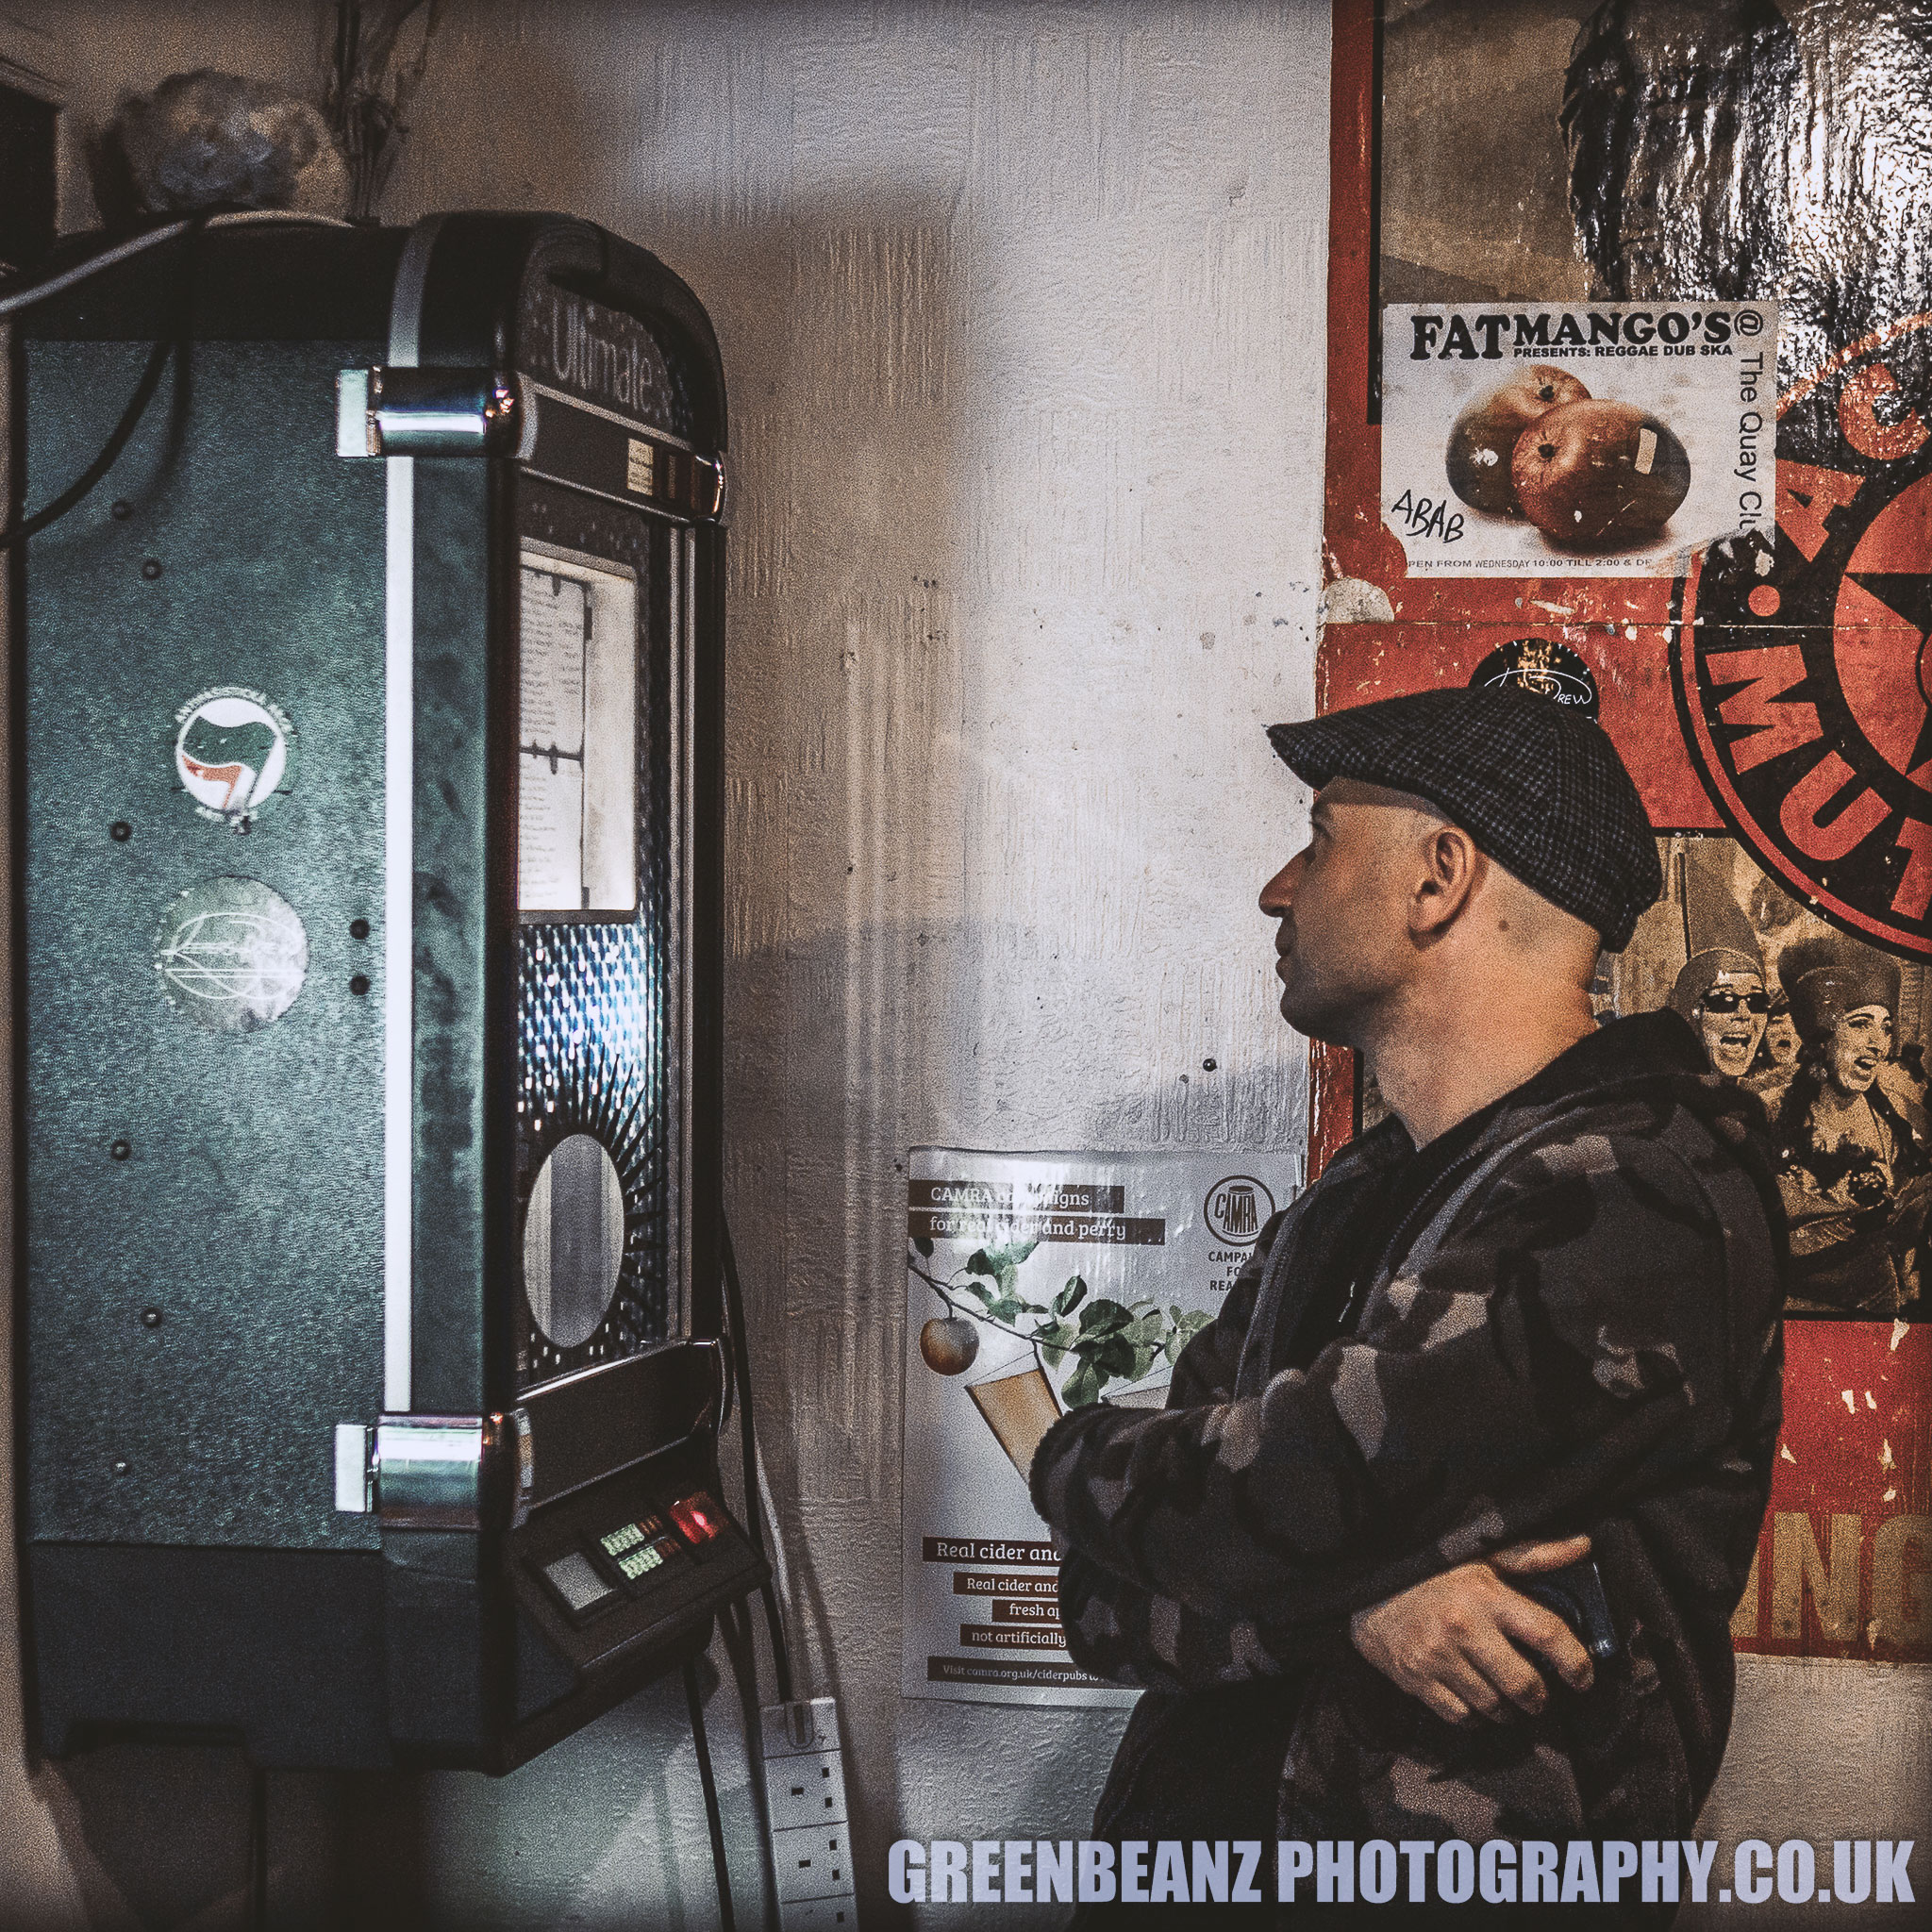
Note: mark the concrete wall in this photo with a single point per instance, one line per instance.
(1022, 307)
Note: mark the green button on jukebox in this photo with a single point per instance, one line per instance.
(640, 1563)
(620, 1541)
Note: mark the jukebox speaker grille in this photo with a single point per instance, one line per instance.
(593, 1012)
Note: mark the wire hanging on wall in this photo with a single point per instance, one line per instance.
(370, 85)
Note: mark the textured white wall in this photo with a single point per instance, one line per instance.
(1022, 308)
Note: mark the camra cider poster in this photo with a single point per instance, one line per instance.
(1586, 440)
(1033, 1283)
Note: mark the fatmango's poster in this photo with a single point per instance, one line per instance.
(1600, 440)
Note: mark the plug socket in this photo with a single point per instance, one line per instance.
(804, 1794)
(814, 1861)
(806, 1789)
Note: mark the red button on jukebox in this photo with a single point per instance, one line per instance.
(698, 1518)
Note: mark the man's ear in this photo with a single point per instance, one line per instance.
(1452, 868)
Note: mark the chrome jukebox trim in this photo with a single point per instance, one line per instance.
(431, 1471)
(399, 854)
(398, 919)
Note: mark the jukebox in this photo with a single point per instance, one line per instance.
(366, 812)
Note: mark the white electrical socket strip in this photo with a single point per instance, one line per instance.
(805, 1797)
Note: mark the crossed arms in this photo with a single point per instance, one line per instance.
(1565, 1350)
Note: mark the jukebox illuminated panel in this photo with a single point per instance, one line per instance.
(606, 646)
(599, 1104)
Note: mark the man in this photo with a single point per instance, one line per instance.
(1721, 993)
(1540, 1300)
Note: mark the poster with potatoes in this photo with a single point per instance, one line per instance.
(1598, 440)
(1036, 1283)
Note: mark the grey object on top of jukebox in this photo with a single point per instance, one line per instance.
(367, 817)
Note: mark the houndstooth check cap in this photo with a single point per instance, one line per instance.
(1539, 788)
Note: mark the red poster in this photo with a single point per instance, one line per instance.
(1535, 244)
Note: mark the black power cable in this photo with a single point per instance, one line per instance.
(258, 1851)
(76, 492)
(735, 1621)
(712, 1817)
(169, 344)
(734, 1312)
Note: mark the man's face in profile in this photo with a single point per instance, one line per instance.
(1341, 902)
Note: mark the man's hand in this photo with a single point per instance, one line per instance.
(1448, 1640)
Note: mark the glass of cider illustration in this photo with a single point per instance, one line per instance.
(1010, 1390)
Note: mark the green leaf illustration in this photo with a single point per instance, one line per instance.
(1071, 1296)
(1053, 1341)
(1082, 1387)
(1102, 1317)
(1186, 1326)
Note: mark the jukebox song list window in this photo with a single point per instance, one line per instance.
(576, 750)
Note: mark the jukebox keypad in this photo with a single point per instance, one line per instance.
(641, 1562)
(636, 1549)
(657, 1555)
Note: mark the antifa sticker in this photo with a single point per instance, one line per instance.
(1544, 667)
(1800, 650)
(234, 752)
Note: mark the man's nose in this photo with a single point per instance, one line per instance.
(1278, 893)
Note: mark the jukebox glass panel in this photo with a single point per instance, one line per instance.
(600, 868)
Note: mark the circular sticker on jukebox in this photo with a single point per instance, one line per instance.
(232, 955)
(1237, 1209)
(1802, 647)
(234, 752)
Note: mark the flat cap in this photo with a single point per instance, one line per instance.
(1539, 789)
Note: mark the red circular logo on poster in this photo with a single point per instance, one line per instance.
(1800, 647)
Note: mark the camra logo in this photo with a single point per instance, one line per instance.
(234, 752)
(1800, 654)
(1237, 1209)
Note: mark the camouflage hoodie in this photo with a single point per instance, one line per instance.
(1578, 1329)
